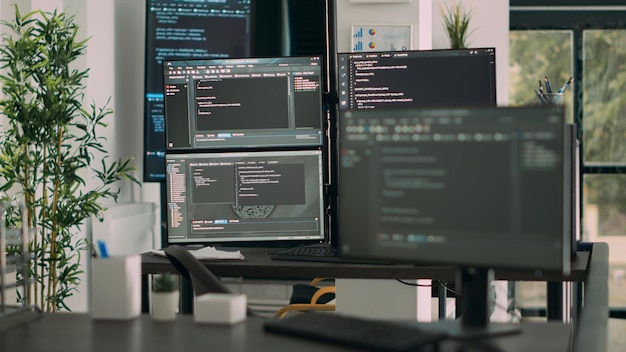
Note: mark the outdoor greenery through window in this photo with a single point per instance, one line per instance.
(535, 55)
(605, 96)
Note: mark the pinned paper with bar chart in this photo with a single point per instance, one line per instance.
(379, 37)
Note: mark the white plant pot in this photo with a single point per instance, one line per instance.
(164, 305)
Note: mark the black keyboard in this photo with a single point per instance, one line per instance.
(319, 254)
(355, 332)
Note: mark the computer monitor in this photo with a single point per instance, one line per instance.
(451, 77)
(477, 188)
(243, 103)
(269, 198)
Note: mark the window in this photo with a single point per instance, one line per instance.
(589, 40)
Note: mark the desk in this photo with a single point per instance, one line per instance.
(71, 332)
(259, 265)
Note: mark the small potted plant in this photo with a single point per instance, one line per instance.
(456, 21)
(165, 297)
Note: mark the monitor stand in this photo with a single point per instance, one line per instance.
(474, 322)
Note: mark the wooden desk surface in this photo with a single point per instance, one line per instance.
(70, 332)
(259, 265)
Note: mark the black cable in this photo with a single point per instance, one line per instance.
(412, 284)
(446, 285)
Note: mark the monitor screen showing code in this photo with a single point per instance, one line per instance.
(463, 77)
(243, 102)
(245, 196)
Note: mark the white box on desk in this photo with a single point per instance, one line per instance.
(220, 308)
(116, 287)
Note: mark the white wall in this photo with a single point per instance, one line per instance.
(128, 25)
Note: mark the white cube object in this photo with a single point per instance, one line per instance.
(116, 287)
(220, 308)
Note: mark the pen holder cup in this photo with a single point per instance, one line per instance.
(116, 287)
(550, 98)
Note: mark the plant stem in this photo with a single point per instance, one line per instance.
(53, 278)
(30, 216)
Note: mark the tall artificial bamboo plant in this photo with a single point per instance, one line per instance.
(48, 146)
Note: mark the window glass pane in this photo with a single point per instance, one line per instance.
(605, 221)
(535, 54)
(604, 76)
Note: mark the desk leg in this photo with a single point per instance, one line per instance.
(186, 296)
(384, 299)
(555, 301)
(145, 293)
(443, 300)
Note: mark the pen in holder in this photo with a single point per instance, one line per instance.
(550, 98)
